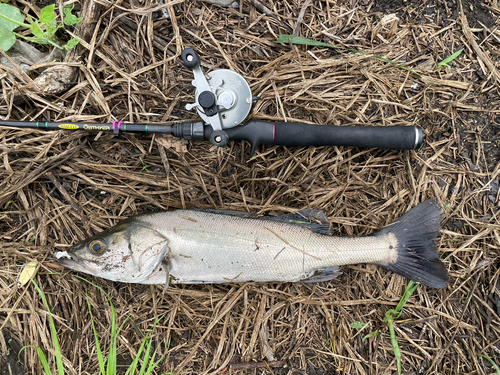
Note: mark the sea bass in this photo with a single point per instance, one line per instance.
(212, 246)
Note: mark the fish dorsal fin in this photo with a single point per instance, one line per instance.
(314, 220)
(227, 212)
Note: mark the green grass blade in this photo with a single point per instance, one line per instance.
(145, 361)
(111, 364)
(146, 364)
(133, 366)
(395, 314)
(373, 334)
(492, 362)
(57, 348)
(451, 58)
(407, 294)
(151, 364)
(111, 369)
(395, 345)
(43, 359)
(100, 357)
(155, 364)
(284, 38)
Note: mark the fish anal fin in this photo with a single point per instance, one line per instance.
(321, 275)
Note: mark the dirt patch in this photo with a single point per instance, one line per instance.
(10, 361)
(478, 14)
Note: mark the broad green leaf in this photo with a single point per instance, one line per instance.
(7, 39)
(71, 44)
(69, 18)
(68, 9)
(52, 26)
(36, 30)
(373, 334)
(47, 14)
(359, 325)
(13, 14)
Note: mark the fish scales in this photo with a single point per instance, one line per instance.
(213, 248)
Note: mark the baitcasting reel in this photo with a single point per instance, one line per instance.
(223, 100)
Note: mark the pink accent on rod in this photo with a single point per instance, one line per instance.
(274, 131)
(114, 122)
(119, 124)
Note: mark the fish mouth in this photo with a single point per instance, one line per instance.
(73, 262)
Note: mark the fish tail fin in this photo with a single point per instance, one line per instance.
(416, 233)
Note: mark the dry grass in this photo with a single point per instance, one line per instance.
(57, 188)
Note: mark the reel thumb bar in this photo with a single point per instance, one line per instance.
(258, 132)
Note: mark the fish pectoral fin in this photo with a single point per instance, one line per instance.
(168, 267)
(314, 220)
(325, 274)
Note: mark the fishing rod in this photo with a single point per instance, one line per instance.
(223, 99)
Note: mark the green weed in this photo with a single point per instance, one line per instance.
(144, 165)
(107, 366)
(329, 342)
(44, 29)
(359, 325)
(393, 314)
(389, 318)
(492, 362)
(450, 59)
(283, 38)
(55, 341)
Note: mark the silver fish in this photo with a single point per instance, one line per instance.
(211, 246)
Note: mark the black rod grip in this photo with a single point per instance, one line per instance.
(391, 137)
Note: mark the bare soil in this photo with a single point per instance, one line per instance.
(57, 188)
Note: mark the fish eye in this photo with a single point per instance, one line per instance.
(97, 247)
